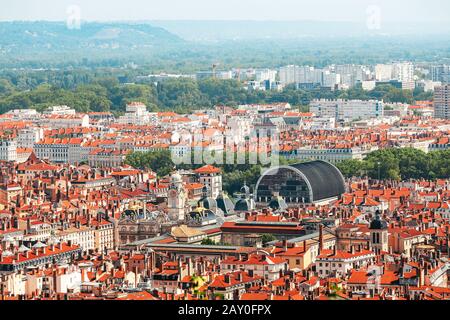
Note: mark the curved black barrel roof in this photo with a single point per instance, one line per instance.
(325, 179)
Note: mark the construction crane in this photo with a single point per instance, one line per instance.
(238, 74)
(214, 67)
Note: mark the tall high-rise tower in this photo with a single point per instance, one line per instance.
(442, 102)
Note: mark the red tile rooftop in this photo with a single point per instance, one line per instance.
(32, 254)
(207, 169)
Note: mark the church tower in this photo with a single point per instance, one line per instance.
(176, 202)
(379, 234)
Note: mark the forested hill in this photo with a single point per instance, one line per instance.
(44, 35)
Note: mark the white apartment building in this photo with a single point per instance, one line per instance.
(181, 151)
(299, 74)
(82, 236)
(384, 72)
(27, 137)
(211, 178)
(23, 114)
(338, 263)
(60, 110)
(262, 265)
(402, 72)
(106, 158)
(318, 123)
(288, 75)
(238, 128)
(334, 155)
(58, 121)
(61, 150)
(104, 235)
(137, 114)
(330, 79)
(8, 150)
(347, 110)
(69, 280)
(39, 232)
(265, 75)
(351, 74)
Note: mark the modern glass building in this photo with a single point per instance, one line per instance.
(308, 182)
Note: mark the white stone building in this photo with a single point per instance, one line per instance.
(8, 150)
(347, 110)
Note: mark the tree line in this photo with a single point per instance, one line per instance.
(233, 175)
(400, 164)
(386, 164)
(86, 93)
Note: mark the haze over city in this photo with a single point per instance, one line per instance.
(400, 11)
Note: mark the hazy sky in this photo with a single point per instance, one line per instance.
(336, 10)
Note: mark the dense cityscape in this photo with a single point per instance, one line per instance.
(211, 178)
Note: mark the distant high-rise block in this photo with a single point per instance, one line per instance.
(442, 102)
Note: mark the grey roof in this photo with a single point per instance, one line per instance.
(305, 237)
(192, 246)
(23, 249)
(278, 203)
(378, 223)
(208, 203)
(325, 179)
(242, 205)
(39, 245)
(225, 204)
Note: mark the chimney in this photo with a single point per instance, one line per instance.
(285, 245)
(421, 277)
(320, 238)
(287, 284)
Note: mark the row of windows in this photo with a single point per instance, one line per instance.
(339, 265)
